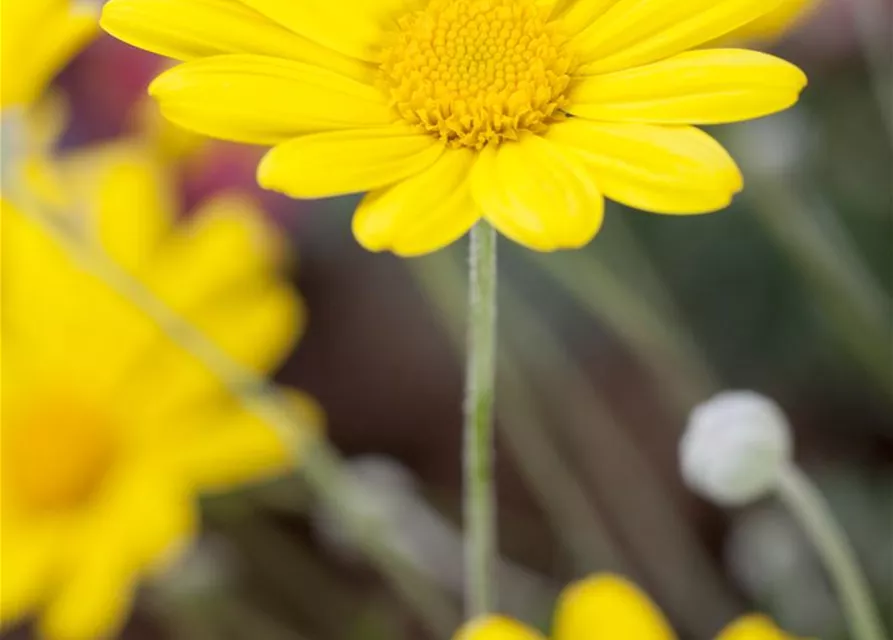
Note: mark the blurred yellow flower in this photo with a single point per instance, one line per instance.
(37, 38)
(523, 112)
(110, 430)
(610, 608)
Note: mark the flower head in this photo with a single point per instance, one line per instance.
(110, 430)
(734, 447)
(38, 37)
(610, 608)
(526, 113)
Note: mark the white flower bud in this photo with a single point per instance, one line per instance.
(734, 447)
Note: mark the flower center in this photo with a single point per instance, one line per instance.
(478, 72)
(56, 456)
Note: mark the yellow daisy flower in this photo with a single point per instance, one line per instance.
(109, 430)
(37, 38)
(610, 608)
(522, 112)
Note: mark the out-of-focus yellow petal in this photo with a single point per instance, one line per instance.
(342, 162)
(497, 628)
(128, 199)
(37, 38)
(697, 87)
(219, 97)
(50, 307)
(608, 607)
(675, 170)
(538, 194)
(632, 33)
(257, 326)
(353, 27)
(422, 213)
(149, 514)
(188, 29)
(219, 270)
(93, 600)
(28, 559)
(227, 446)
(194, 263)
(753, 627)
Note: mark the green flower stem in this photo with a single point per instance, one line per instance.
(320, 464)
(551, 480)
(480, 516)
(808, 506)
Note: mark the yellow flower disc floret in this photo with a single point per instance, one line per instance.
(477, 72)
(57, 455)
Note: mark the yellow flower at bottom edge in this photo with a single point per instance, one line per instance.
(110, 431)
(37, 38)
(610, 608)
(526, 113)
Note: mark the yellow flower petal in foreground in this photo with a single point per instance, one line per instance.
(608, 607)
(110, 431)
(37, 38)
(530, 111)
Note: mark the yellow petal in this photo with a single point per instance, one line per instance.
(239, 303)
(608, 607)
(257, 325)
(538, 194)
(147, 519)
(753, 627)
(698, 87)
(93, 603)
(633, 33)
(28, 558)
(422, 213)
(142, 524)
(342, 162)
(129, 199)
(187, 29)
(51, 306)
(497, 628)
(263, 100)
(193, 265)
(226, 446)
(655, 168)
(353, 27)
(36, 40)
